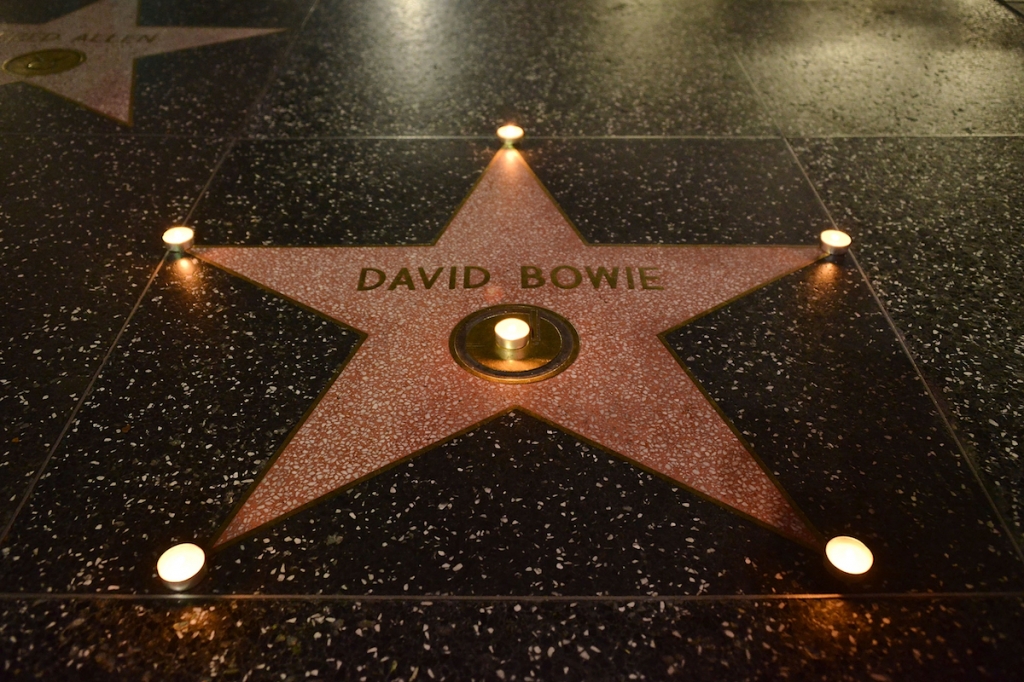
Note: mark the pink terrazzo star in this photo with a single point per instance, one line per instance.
(402, 392)
(108, 40)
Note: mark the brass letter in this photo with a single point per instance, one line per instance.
(404, 278)
(429, 282)
(595, 279)
(647, 281)
(363, 286)
(530, 277)
(467, 276)
(577, 278)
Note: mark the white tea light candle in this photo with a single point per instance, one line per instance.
(835, 242)
(510, 134)
(182, 566)
(511, 333)
(849, 555)
(179, 238)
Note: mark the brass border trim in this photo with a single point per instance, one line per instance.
(567, 353)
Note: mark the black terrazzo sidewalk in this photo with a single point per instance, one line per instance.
(142, 393)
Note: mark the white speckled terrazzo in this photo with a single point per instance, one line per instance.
(402, 391)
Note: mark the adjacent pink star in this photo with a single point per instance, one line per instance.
(88, 56)
(402, 392)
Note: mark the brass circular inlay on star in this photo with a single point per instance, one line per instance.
(44, 62)
(553, 345)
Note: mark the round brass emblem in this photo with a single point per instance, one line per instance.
(552, 345)
(44, 62)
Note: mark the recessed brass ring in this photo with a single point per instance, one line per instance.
(553, 345)
(44, 62)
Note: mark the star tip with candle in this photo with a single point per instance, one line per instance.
(179, 239)
(835, 242)
(510, 134)
(848, 558)
(182, 566)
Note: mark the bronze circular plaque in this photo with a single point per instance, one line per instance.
(44, 62)
(552, 345)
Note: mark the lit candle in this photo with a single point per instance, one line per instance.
(511, 333)
(835, 243)
(849, 555)
(510, 134)
(182, 566)
(179, 238)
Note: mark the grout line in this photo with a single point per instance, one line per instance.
(814, 190)
(78, 405)
(413, 136)
(913, 136)
(114, 136)
(900, 338)
(971, 464)
(612, 599)
(527, 138)
(209, 181)
(250, 113)
(1010, 5)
